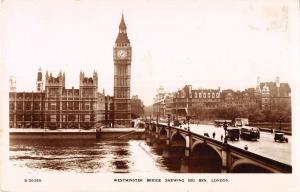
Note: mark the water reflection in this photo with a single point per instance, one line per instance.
(90, 156)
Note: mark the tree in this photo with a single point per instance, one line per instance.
(137, 107)
(198, 111)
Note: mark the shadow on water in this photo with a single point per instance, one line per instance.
(86, 156)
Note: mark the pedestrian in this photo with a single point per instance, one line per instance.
(221, 137)
(246, 147)
(214, 134)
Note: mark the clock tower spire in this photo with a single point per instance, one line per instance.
(122, 76)
(122, 35)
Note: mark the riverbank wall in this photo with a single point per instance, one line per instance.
(109, 133)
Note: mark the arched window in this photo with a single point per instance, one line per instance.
(200, 94)
(204, 95)
(213, 95)
(195, 95)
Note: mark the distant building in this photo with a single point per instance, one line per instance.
(185, 98)
(180, 102)
(270, 95)
(159, 108)
(240, 99)
(265, 95)
(56, 106)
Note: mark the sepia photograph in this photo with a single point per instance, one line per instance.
(149, 95)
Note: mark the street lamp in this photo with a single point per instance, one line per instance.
(169, 118)
(188, 121)
(225, 129)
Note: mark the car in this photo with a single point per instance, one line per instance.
(280, 137)
(176, 123)
(233, 133)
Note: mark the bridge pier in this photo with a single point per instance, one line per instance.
(156, 131)
(225, 160)
(187, 151)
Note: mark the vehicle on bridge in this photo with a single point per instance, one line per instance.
(240, 122)
(220, 122)
(250, 133)
(176, 123)
(233, 133)
(280, 137)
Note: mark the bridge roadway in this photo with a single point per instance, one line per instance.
(265, 146)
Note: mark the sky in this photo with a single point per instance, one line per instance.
(207, 44)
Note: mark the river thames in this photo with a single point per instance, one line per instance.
(91, 156)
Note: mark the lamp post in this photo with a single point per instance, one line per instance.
(225, 129)
(188, 121)
(169, 118)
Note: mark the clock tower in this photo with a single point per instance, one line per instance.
(122, 71)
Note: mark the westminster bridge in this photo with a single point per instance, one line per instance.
(262, 156)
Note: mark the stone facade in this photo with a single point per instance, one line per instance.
(58, 107)
(180, 102)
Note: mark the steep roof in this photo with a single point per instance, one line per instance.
(284, 89)
(122, 35)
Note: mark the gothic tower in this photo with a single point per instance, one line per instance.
(39, 81)
(122, 71)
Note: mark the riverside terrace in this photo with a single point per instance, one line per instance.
(264, 155)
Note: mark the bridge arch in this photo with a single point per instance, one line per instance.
(205, 158)
(198, 143)
(162, 131)
(178, 138)
(248, 166)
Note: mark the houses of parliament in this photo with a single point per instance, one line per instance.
(52, 105)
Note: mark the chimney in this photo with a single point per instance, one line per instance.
(278, 86)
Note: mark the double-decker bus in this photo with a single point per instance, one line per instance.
(220, 122)
(250, 133)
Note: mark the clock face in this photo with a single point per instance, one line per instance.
(122, 54)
